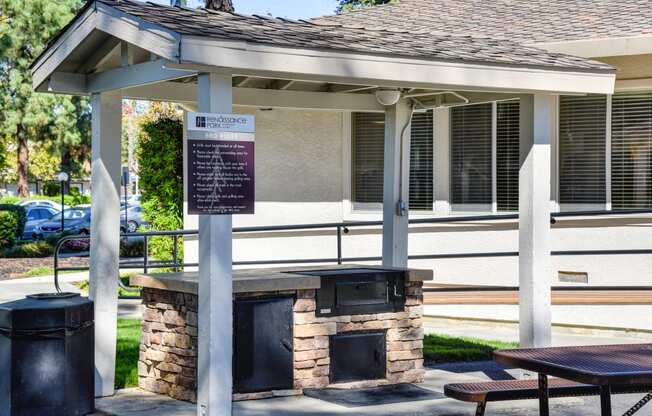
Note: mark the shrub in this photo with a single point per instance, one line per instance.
(28, 250)
(21, 217)
(132, 247)
(9, 200)
(75, 198)
(160, 158)
(8, 224)
(52, 188)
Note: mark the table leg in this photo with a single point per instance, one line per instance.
(605, 400)
(544, 409)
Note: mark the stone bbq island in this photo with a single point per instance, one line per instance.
(344, 326)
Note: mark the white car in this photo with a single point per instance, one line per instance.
(42, 202)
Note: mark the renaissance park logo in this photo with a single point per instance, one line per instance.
(220, 122)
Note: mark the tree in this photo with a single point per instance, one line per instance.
(347, 5)
(25, 29)
(221, 5)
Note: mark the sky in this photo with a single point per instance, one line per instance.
(291, 9)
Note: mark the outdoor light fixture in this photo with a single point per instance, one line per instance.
(63, 178)
(388, 97)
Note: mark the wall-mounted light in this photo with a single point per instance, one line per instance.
(388, 97)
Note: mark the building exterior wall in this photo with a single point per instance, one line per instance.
(303, 176)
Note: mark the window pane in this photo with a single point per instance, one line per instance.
(367, 156)
(507, 155)
(421, 197)
(368, 145)
(471, 154)
(582, 139)
(631, 151)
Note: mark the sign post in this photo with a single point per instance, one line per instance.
(221, 170)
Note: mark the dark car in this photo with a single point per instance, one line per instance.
(76, 221)
(35, 215)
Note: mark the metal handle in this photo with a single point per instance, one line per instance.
(286, 344)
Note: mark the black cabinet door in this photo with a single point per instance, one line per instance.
(263, 347)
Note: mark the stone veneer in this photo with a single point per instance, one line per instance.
(168, 350)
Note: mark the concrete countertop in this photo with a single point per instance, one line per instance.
(258, 280)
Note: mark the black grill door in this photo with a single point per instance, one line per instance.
(263, 345)
(357, 356)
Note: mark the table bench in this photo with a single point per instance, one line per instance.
(507, 390)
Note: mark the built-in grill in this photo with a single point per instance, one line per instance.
(359, 291)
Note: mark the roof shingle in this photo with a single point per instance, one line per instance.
(389, 39)
(522, 21)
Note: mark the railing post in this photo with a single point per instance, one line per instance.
(175, 252)
(339, 244)
(145, 254)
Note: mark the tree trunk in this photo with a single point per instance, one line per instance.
(220, 5)
(23, 158)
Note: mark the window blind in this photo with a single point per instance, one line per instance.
(631, 151)
(368, 138)
(507, 155)
(470, 150)
(582, 142)
(421, 153)
(367, 157)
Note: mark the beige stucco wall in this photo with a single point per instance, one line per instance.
(300, 180)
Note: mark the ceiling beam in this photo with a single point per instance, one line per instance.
(134, 75)
(101, 55)
(256, 97)
(281, 84)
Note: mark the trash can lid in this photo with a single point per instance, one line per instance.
(46, 311)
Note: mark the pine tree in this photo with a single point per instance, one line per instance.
(346, 5)
(25, 28)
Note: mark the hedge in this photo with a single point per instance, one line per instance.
(160, 160)
(20, 218)
(8, 223)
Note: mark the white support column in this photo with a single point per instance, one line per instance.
(214, 95)
(494, 157)
(105, 233)
(442, 168)
(395, 219)
(536, 129)
(607, 154)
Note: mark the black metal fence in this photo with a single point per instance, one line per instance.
(340, 229)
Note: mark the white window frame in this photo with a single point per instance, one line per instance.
(356, 211)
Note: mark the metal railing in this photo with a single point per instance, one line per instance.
(340, 228)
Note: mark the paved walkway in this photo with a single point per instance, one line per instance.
(17, 289)
(134, 402)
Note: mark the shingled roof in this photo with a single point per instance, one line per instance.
(400, 41)
(522, 21)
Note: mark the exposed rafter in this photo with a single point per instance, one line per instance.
(100, 56)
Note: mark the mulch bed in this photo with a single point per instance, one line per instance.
(15, 268)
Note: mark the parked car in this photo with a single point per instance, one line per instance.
(35, 215)
(42, 202)
(131, 219)
(76, 220)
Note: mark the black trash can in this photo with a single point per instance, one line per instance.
(47, 356)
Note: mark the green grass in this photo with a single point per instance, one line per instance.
(436, 349)
(447, 349)
(126, 368)
(44, 271)
(124, 277)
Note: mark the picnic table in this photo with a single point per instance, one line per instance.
(605, 366)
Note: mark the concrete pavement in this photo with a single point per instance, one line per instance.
(134, 402)
(15, 289)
